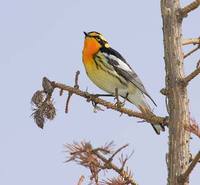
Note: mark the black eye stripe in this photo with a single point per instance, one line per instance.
(97, 38)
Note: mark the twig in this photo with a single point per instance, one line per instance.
(120, 171)
(192, 75)
(67, 102)
(192, 51)
(182, 178)
(198, 64)
(191, 41)
(116, 152)
(81, 180)
(76, 79)
(70, 93)
(192, 6)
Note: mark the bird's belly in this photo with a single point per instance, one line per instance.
(107, 82)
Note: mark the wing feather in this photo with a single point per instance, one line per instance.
(122, 68)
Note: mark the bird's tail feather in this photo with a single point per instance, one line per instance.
(143, 106)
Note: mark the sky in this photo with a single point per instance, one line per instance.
(45, 38)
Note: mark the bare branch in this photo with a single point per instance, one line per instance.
(191, 41)
(43, 106)
(187, 9)
(198, 64)
(192, 51)
(76, 79)
(151, 118)
(116, 152)
(192, 75)
(67, 102)
(182, 178)
(123, 173)
(70, 93)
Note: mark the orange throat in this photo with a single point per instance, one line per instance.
(91, 47)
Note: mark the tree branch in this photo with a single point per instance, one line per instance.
(191, 41)
(120, 171)
(192, 51)
(150, 118)
(192, 75)
(187, 9)
(70, 93)
(182, 178)
(44, 108)
(117, 151)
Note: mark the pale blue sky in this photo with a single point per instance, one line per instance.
(45, 38)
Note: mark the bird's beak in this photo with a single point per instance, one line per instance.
(85, 34)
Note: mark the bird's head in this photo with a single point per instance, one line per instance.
(94, 41)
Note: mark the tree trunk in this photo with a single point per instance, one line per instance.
(178, 156)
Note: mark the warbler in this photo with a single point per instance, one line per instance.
(107, 69)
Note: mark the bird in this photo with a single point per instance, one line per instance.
(108, 70)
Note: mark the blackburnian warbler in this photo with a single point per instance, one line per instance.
(109, 71)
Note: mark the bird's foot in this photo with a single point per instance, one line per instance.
(118, 103)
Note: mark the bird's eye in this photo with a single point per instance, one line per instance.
(98, 39)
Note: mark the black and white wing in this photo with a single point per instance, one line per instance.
(123, 69)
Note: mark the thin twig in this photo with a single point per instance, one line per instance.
(192, 6)
(198, 64)
(116, 152)
(81, 180)
(192, 75)
(70, 93)
(76, 79)
(67, 102)
(192, 51)
(120, 171)
(191, 41)
(182, 178)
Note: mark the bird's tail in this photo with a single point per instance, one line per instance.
(140, 102)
